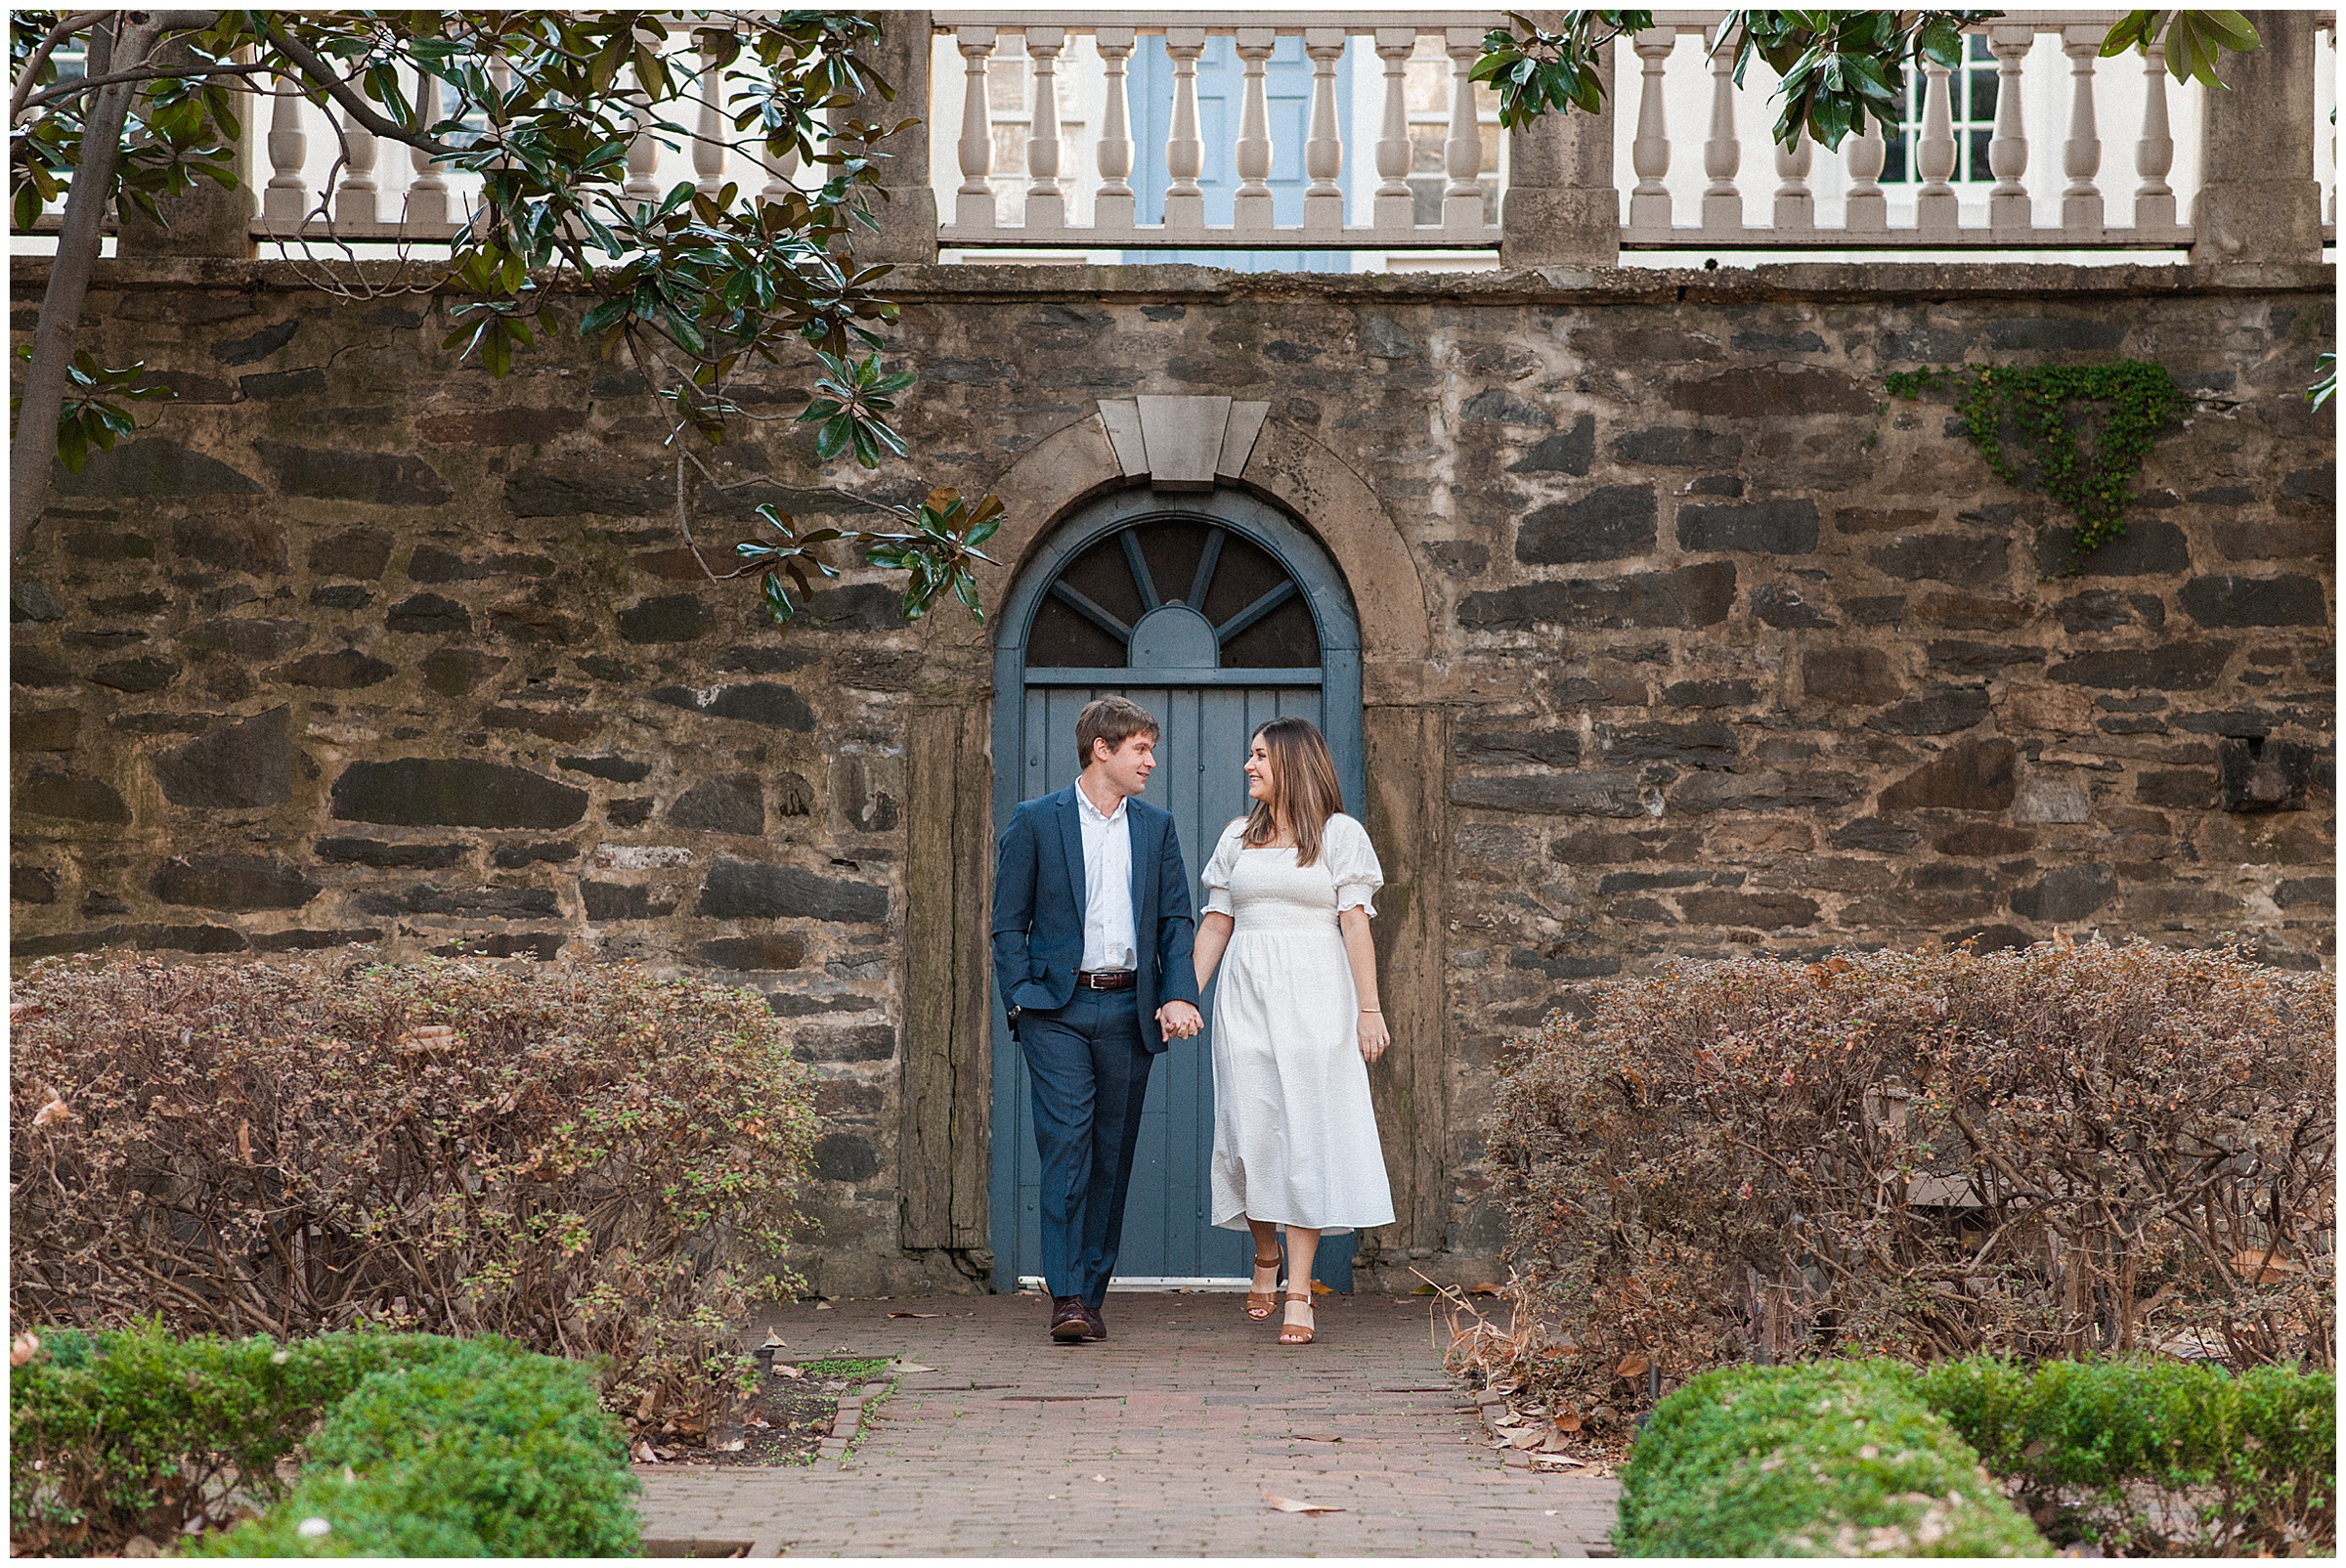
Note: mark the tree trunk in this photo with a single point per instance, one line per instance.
(79, 239)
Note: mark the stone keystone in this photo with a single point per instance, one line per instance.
(1182, 443)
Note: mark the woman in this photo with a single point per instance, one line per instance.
(1296, 1021)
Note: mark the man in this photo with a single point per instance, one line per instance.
(1092, 933)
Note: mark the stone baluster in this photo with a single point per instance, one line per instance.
(2081, 151)
(1795, 204)
(1250, 208)
(1649, 153)
(2154, 150)
(643, 152)
(1046, 202)
(1323, 150)
(2331, 216)
(708, 143)
(1866, 211)
(427, 191)
(1462, 152)
(1396, 206)
(974, 202)
(1113, 207)
(356, 199)
(1185, 153)
(2008, 209)
(286, 201)
(1937, 210)
(1722, 149)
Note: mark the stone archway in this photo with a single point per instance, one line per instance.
(945, 1127)
(1285, 465)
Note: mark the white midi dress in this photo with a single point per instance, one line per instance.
(1294, 1134)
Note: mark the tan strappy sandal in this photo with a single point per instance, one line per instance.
(1260, 1303)
(1291, 1332)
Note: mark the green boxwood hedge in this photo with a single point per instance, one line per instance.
(1828, 1459)
(2154, 1456)
(140, 1432)
(486, 1452)
(451, 1447)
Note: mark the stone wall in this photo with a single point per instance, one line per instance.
(355, 644)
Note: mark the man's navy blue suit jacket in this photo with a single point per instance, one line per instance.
(1039, 900)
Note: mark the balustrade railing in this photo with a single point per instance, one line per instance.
(1951, 196)
(1041, 139)
(1328, 216)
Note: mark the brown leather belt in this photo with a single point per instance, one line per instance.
(1106, 980)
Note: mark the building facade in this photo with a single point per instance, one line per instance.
(1645, 620)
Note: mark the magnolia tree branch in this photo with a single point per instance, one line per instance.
(158, 74)
(74, 23)
(324, 77)
(33, 446)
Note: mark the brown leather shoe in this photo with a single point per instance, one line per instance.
(1098, 1323)
(1070, 1325)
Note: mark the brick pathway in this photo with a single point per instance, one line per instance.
(1163, 1440)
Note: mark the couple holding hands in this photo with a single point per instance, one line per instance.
(1100, 964)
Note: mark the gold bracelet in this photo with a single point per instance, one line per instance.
(1372, 1010)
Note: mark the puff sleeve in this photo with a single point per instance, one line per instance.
(1352, 864)
(1216, 875)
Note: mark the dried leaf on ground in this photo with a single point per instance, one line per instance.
(913, 1366)
(783, 1369)
(1529, 1437)
(1632, 1365)
(1505, 1418)
(916, 1314)
(1319, 1437)
(1297, 1504)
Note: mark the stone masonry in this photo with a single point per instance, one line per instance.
(1721, 652)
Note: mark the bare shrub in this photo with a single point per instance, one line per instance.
(589, 1161)
(2059, 1152)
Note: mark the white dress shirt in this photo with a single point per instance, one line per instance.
(1109, 942)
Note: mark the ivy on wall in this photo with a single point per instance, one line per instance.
(2051, 407)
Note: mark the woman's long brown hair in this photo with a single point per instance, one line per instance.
(1303, 786)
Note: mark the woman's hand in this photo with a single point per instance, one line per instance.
(1373, 1036)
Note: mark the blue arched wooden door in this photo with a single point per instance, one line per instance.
(1214, 612)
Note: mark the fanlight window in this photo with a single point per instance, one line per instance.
(1174, 594)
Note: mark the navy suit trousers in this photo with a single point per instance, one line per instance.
(1089, 1072)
